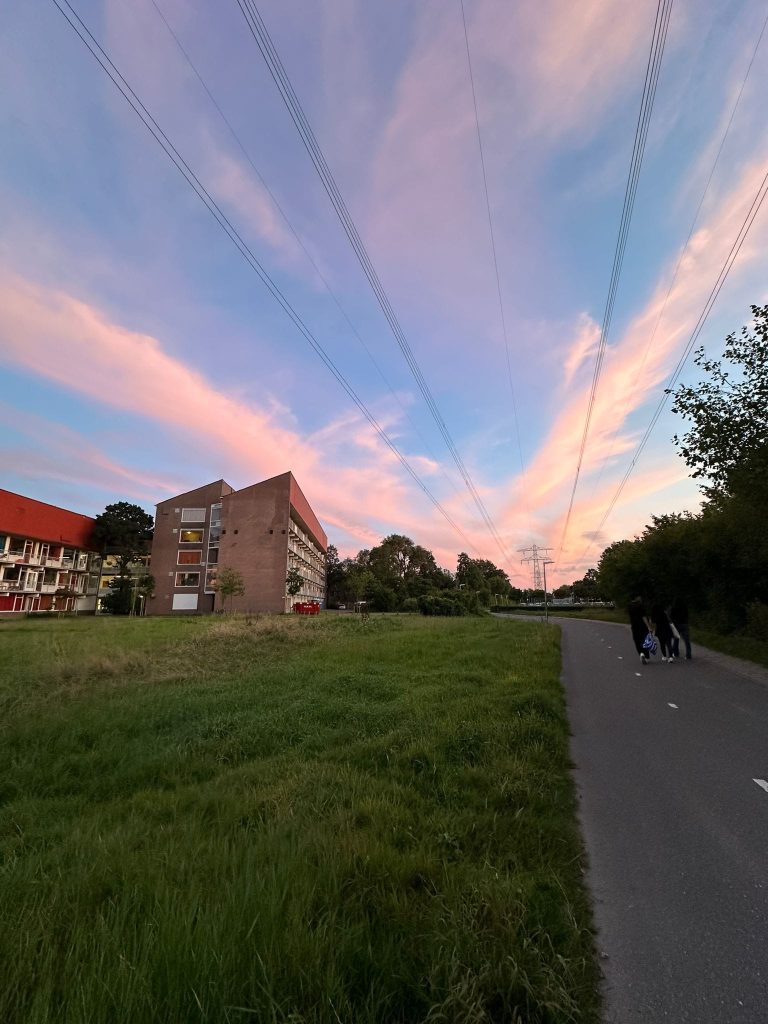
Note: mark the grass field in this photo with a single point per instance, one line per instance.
(285, 820)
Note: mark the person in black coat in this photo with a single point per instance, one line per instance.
(640, 625)
(663, 631)
(678, 613)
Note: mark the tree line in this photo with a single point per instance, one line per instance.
(399, 575)
(716, 560)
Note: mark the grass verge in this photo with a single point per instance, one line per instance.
(288, 821)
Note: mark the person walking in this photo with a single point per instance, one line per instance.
(663, 630)
(640, 625)
(678, 613)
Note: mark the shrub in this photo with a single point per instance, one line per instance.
(757, 620)
(436, 604)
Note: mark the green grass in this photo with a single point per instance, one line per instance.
(286, 820)
(746, 647)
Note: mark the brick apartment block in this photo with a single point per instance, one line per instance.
(261, 531)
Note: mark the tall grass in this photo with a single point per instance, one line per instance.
(288, 821)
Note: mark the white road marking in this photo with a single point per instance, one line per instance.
(762, 784)
(638, 673)
(674, 706)
(621, 657)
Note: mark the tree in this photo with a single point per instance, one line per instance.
(294, 581)
(229, 584)
(123, 530)
(117, 600)
(334, 577)
(480, 576)
(727, 443)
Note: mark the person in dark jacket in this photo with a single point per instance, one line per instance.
(678, 613)
(663, 631)
(641, 626)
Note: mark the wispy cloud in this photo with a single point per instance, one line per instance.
(634, 370)
(71, 342)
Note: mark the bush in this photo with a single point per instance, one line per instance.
(382, 598)
(410, 604)
(436, 604)
(757, 621)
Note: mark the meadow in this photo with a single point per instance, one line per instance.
(288, 820)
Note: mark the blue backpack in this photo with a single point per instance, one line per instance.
(649, 644)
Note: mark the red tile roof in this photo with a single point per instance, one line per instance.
(25, 517)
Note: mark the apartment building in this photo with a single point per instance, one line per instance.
(261, 531)
(47, 562)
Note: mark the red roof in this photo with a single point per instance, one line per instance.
(25, 517)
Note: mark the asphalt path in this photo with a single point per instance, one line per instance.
(675, 826)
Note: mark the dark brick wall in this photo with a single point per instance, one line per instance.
(165, 548)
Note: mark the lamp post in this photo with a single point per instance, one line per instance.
(545, 562)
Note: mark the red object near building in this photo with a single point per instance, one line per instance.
(307, 608)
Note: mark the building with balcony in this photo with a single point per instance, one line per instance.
(47, 562)
(110, 572)
(261, 531)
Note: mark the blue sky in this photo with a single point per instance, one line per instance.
(141, 355)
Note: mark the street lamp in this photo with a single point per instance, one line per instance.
(545, 563)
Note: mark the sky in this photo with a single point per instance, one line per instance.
(141, 356)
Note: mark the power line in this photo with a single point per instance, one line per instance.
(112, 72)
(492, 236)
(725, 270)
(238, 141)
(684, 249)
(653, 68)
(281, 79)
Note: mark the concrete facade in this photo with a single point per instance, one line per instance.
(260, 531)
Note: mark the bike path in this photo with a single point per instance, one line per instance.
(675, 825)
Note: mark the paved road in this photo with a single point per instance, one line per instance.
(675, 827)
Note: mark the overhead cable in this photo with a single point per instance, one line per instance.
(287, 93)
(684, 249)
(502, 315)
(653, 68)
(725, 270)
(238, 141)
(152, 126)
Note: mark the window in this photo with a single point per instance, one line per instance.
(187, 579)
(185, 602)
(191, 536)
(210, 580)
(193, 515)
(190, 557)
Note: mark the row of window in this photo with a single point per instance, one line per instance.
(192, 579)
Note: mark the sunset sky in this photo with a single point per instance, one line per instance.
(141, 356)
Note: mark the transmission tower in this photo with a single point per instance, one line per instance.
(539, 557)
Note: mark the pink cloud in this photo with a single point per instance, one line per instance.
(634, 372)
(72, 343)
